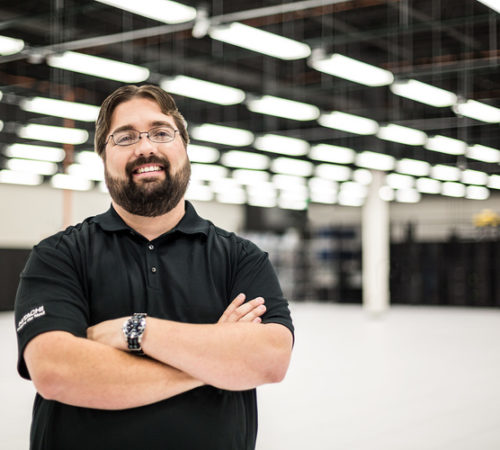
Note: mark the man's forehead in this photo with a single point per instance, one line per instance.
(131, 114)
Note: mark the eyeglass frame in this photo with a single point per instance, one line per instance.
(139, 136)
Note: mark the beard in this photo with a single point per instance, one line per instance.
(149, 197)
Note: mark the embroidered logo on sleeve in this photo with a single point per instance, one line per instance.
(32, 315)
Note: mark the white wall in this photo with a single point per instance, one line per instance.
(31, 213)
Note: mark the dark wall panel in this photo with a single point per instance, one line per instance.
(12, 262)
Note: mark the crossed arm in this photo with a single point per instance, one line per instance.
(237, 353)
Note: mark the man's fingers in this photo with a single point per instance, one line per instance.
(250, 310)
(238, 300)
(238, 311)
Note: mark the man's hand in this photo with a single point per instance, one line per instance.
(110, 332)
(238, 311)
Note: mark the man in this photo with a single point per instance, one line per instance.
(133, 325)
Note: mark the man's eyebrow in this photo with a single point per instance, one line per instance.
(156, 123)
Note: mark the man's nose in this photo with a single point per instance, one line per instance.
(144, 146)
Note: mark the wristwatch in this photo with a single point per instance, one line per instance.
(133, 329)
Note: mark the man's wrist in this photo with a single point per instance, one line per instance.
(133, 331)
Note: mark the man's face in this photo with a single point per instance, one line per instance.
(146, 178)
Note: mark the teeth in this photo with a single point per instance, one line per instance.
(148, 169)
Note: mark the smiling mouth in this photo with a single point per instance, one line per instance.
(148, 169)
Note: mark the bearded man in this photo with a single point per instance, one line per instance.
(148, 327)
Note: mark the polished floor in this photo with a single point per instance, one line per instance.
(413, 379)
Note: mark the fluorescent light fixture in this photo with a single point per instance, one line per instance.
(289, 183)
(251, 177)
(88, 158)
(351, 69)
(483, 153)
(262, 201)
(348, 122)
(322, 185)
(332, 153)
(207, 172)
(260, 41)
(69, 182)
(326, 197)
(25, 178)
(354, 189)
(333, 172)
(403, 135)
(292, 203)
(201, 192)
(477, 110)
(347, 199)
(222, 135)
(446, 145)
(362, 176)
(376, 161)
(202, 153)
(494, 182)
(474, 177)
(280, 107)
(445, 173)
(428, 186)
(387, 194)
(413, 167)
(160, 10)
(60, 108)
(493, 4)
(37, 152)
(203, 90)
(224, 184)
(282, 144)
(423, 93)
(408, 196)
(50, 133)
(1, 123)
(398, 181)
(31, 166)
(477, 193)
(264, 189)
(10, 46)
(235, 197)
(295, 195)
(292, 166)
(451, 189)
(263, 195)
(245, 160)
(98, 67)
(86, 172)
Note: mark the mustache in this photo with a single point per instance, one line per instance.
(132, 165)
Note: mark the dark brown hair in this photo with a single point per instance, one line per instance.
(125, 93)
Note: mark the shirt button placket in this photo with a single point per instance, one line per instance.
(152, 263)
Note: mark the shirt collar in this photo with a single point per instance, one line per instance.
(191, 222)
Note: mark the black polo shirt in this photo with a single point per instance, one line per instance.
(102, 269)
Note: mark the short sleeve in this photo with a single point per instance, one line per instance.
(256, 277)
(50, 297)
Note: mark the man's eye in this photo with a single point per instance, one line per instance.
(162, 133)
(124, 138)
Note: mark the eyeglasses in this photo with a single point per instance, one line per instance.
(160, 135)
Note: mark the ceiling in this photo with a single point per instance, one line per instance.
(433, 41)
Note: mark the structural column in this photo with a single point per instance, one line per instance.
(375, 248)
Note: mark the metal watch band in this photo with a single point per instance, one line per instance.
(133, 329)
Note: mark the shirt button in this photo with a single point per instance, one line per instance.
(153, 269)
(151, 247)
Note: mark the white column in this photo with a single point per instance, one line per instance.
(375, 248)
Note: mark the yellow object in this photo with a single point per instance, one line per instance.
(487, 218)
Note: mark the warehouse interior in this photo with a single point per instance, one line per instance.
(318, 129)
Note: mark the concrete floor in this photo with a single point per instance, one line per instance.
(415, 378)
